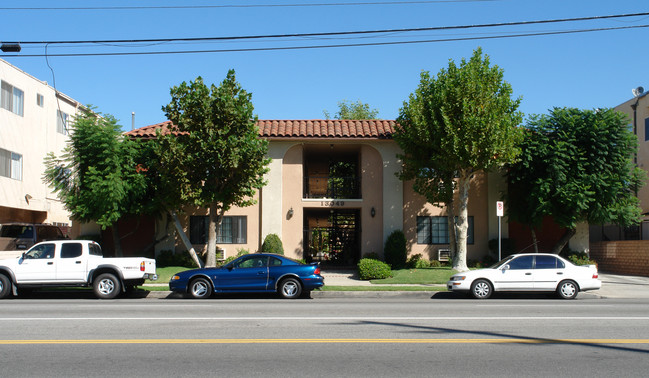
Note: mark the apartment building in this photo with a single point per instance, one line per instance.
(333, 196)
(34, 121)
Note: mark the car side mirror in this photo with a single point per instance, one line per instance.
(505, 267)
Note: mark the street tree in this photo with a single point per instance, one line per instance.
(453, 126)
(96, 177)
(353, 110)
(576, 166)
(214, 157)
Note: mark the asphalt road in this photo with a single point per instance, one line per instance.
(257, 336)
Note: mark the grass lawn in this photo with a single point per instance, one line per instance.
(164, 274)
(400, 277)
(417, 276)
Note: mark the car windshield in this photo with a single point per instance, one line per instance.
(501, 262)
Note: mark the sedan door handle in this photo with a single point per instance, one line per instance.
(77, 262)
(50, 263)
(559, 273)
(528, 274)
(261, 273)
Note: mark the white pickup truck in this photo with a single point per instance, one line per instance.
(73, 263)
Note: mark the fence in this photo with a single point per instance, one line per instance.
(622, 257)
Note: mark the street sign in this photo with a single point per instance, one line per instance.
(500, 208)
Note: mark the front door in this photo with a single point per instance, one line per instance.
(518, 275)
(250, 273)
(37, 265)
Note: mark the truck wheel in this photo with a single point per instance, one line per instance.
(106, 286)
(5, 286)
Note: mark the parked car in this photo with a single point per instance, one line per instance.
(17, 236)
(76, 263)
(529, 272)
(258, 272)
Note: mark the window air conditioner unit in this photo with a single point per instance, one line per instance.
(443, 254)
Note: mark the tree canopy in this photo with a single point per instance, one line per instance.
(97, 178)
(215, 159)
(353, 110)
(458, 123)
(576, 165)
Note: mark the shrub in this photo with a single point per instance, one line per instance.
(395, 250)
(272, 244)
(370, 269)
(577, 258)
(169, 258)
(435, 264)
(417, 262)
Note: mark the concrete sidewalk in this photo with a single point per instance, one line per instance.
(613, 286)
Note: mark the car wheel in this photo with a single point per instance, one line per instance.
(5, 286)
(568, 289)
(290, 288)
(200, 288)
(481, 289)
(106, 286)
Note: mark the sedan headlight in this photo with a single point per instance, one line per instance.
(458, 278)
(174, 278)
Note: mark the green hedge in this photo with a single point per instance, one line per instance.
(272, 244)
(370, 269)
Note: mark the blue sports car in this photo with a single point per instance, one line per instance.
(252, 273)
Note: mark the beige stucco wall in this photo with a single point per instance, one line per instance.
(642, 113)
(32, 135)
(415, 205)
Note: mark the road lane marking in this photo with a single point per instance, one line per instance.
(328, 341)
(326, 318)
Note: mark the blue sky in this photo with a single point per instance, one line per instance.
(584, 70)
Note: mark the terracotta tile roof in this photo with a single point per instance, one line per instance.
(299, 129)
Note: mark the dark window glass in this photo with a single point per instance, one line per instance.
(434, 230)
(275, 261)
(546, 262)
(233, 230)
(70, 250)
(522, 262)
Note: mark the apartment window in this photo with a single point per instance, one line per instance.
(434, 230)
(40, 100)
(646, 129)
(62, 122)
(11, 98)
(11, 164)
(233, 230)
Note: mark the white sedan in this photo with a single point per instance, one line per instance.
(528, 272)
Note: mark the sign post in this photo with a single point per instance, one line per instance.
(500, 210)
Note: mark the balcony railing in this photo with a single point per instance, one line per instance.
(332, 187)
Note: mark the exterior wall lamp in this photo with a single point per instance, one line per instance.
(289, 215)
(373, 212)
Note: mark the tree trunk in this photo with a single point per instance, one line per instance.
(452, 236)
(117, 243)
(534, 241)
(215, 218)
(462, 224)
(564, 240)
(185, 240)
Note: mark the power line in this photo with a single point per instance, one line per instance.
(248, 5)
(300, 35)
(335, 46)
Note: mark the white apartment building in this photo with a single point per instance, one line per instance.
(34, 121)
